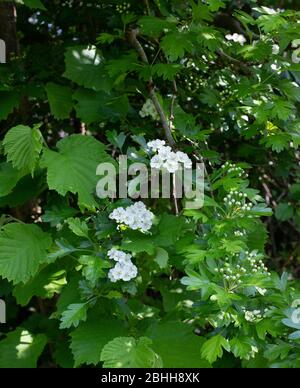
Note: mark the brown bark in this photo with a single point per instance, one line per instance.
(8, 30)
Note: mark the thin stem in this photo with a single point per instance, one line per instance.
(136, 44)
(174, 195)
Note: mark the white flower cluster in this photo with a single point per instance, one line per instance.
(191, 64)
(254, 315)
(123, 8)
(235, 273)
(236, 199)
(231, 167)
(275, 49)
(231, 275)
(124, 268)
(240, 233)
(255, 264)
(238, 38)
(166, 158)
(148, 109)
(296, 53)
(136, 217)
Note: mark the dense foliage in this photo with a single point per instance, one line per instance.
(87, 81)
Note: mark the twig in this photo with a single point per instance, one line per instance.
(175, 195)
(173, 103)
(148, 7)
(245, 69)
(132, 36)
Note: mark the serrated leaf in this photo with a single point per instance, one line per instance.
(167, 71)
(45, 284)
(23, 247)
(73, 167)
(176, 44)
(22, 145)
(59, 212)
(90, 337)
(84, 66)
(9, 177)
(93, 268)
(127, 352)
(161, 258)
(213, 348)
(180, 338)
(8, 102)
(78, 227)
(153, 26)
(279, 350)
(27, 188)
(241, 347)
(74, 314)
(60, 100)
(94, 106)
(21, 349)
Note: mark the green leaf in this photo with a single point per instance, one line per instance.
(233, 246)
(284, 212)
(279, 350)
(97, 107)
(73, 167)
(127, 352)
(161, 258)
(74, 314)
(78, 227)
(70, 294)
(282, 109)
(84, 66)
(175, 45)
(261, 210)
(215, 5)
(23, 145)
(91, 336)
(167, 71)
(59, 212)
(34, 4)
(22, 249)
(9, 177)
(93, 267)
(241, 347)
(60, 249)
(213, 348)
(119, 68)
(257, 237)
(277, 142)
(180, 338)
(170, 230)
(8, 102)
(105, 37)
(28, 188)
(60, 100)
(45, 284)
(21, 349)
(210, 38)
(153, 26)
(271, 23)
(266, 326)
(137, 243)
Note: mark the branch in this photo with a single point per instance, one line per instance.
(132, 36)
(243, 67)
